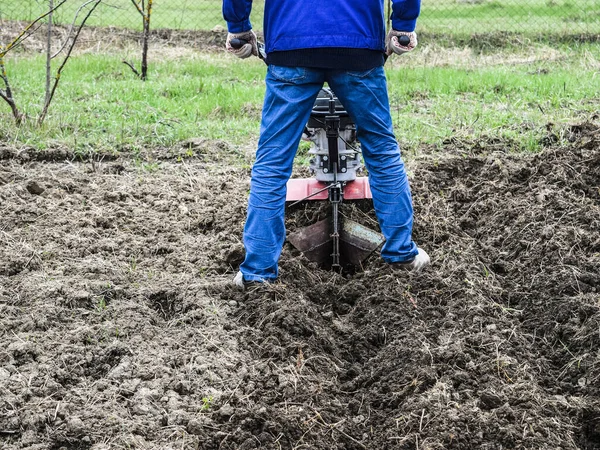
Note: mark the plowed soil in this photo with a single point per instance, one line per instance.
(119, 328)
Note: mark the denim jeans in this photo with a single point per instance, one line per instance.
(290, 95)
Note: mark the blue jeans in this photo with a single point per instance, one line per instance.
(290, 95)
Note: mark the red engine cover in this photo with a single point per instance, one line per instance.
(300, 188)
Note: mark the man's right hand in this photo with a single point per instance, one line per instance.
(245, 51)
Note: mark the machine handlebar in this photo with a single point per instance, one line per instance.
(403, 40)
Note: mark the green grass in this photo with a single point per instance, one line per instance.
(508, 104)
(101, 106)
(436, 94)
(462, 17)
(510, 96)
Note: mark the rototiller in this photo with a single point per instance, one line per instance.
(335, 163)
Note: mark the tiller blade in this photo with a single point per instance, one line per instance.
(356, 241)
(334, 241)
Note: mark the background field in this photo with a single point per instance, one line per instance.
(445, 16)
(510, 93)
(514, 67)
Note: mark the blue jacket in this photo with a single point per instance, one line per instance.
(303, 24)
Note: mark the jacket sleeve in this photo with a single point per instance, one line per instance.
(237, 15)
(404, 14)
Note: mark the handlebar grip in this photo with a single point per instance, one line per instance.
(403, 40)
(237, 43)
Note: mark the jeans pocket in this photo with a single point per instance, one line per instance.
(288, 74)
(363, 74)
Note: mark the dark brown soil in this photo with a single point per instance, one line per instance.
(119, 329)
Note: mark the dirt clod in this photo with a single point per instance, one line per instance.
(34, 188)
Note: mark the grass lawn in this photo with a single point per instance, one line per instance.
(529, 16)
(436, 94)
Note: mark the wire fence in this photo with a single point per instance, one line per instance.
(454, 17)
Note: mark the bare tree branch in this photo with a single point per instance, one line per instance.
(146, 37)
(7, 96)
(60, 69)
(132, 67)
(49, 50)
(25, 33)
(146, 11)
(64, 44)
(140, 10)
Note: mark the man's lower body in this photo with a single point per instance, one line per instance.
(290, 95)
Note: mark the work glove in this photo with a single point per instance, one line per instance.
(393, 46)
(245, 51)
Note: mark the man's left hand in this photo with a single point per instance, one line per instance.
(393, 46)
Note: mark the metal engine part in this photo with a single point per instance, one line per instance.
(349, 156)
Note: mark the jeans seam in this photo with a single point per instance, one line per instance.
(361, 74)
(279, 77)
